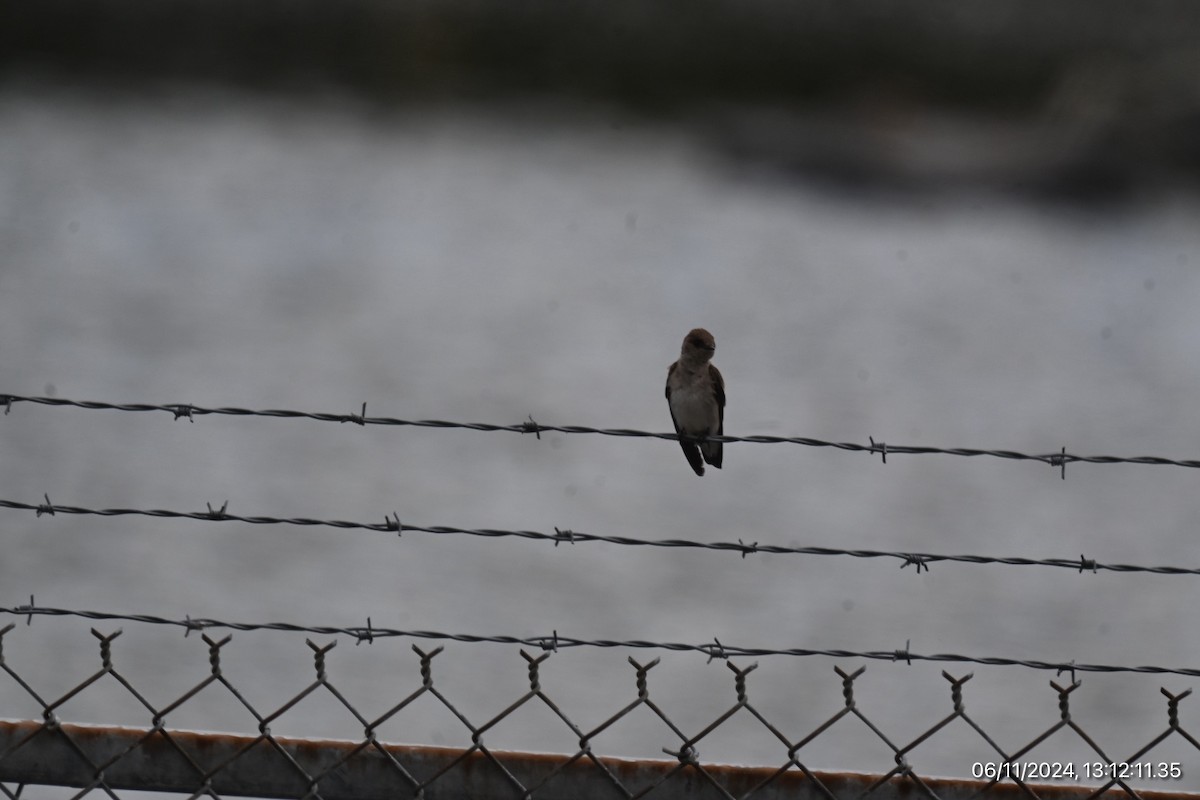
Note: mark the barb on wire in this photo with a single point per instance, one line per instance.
(560, 535)
(715, 649)
(1059, 459)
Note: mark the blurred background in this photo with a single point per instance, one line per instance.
(958, 224)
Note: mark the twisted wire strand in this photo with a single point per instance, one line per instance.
(715, 649)
(566, 536)
(181, 410)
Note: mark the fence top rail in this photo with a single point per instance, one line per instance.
(384, 770)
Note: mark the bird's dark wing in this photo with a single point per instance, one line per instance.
(714, 452)
(718, 384)
(690, 449)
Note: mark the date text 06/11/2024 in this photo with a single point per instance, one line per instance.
(1068, 771)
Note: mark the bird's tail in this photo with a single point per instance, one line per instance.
(713, 453)
(692, 451)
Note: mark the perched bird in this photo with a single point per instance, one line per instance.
(696, 396)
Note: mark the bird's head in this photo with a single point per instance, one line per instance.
(698, 345)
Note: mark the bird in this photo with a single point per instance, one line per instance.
(696, 397)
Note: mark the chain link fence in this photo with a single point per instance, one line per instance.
(261, 761)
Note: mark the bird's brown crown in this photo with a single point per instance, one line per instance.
(699, 339)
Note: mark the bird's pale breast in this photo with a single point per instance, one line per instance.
(694, 407)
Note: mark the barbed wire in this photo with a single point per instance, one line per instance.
(566, 536)
(556, 641)
(190, 412)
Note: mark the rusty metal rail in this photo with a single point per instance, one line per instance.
(261, 766)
